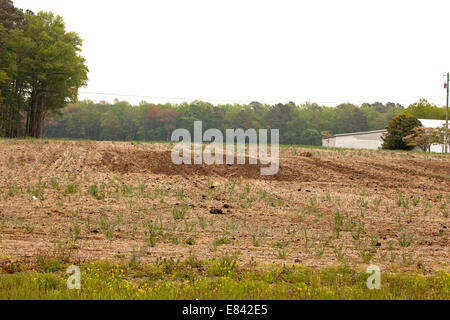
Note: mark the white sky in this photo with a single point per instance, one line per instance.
(269, 51)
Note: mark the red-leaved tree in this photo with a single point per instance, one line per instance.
(168, 118)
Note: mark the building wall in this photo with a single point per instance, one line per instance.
(371, 140)
(329, 142)
(435, 147)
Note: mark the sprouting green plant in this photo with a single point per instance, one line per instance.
(291, 231)
(350, 223)
(29, 229)
(263, 194)
(192, 260)
(190, 241)
(305, 234)
(221, 241)
(12, 191)
(232, 188)
(393, 257)
(405, 239)
(245, 192)
(376, 203)
(363, 191)
(37, 190)
(126, 190)
(232, 225)
(274, 201)
(71, 188)
(282, 253)
(178, 214)
(339, 251)
(209, 183)
(402, 201)
(151, 232)
(301, 216)
(134, 261)
(54, 183)
(320, 247)
(338, 223)
(88, 223)
(357, 231)
(106, 226)
(444, 210)
(76, 228)
(2, 228)
(255, 240)
(142, 189)
(94, 191)
(407, 259)
(281, 244)
(180, 194)
(374, 240)
(390, 245)
(367, 254)
(318, 215)
(202, 222)
(312, 207)
(362, 203)
(188, 226)
(213, 247)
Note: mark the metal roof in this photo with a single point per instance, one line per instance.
(358, 133)
(430, 123)
(427, 123)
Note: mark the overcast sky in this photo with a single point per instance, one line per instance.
(269, 51)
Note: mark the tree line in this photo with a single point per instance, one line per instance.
(41, 69)
(304, 124)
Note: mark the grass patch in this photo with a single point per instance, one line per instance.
(225, 280)
(71, 188)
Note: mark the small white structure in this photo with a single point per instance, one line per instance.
(373, 139)
(430, 123)
(357, 140)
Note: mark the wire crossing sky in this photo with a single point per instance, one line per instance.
(327, 52)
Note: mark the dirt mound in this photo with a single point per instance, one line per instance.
(44, 159)
(160, 162)
(303, 167)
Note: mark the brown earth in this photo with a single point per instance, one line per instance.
(393, 205)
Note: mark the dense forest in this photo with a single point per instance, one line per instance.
(299, 124)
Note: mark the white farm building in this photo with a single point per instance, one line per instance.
(373, 139)
(356, 140)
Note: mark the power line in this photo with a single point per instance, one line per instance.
(158, 97)
(228, 100)
(446, 113)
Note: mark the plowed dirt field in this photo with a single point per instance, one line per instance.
(122, 201)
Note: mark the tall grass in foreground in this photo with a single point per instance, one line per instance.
(219, 279)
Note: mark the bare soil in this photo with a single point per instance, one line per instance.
(393, 206)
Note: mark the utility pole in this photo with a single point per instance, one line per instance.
(446, 115)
